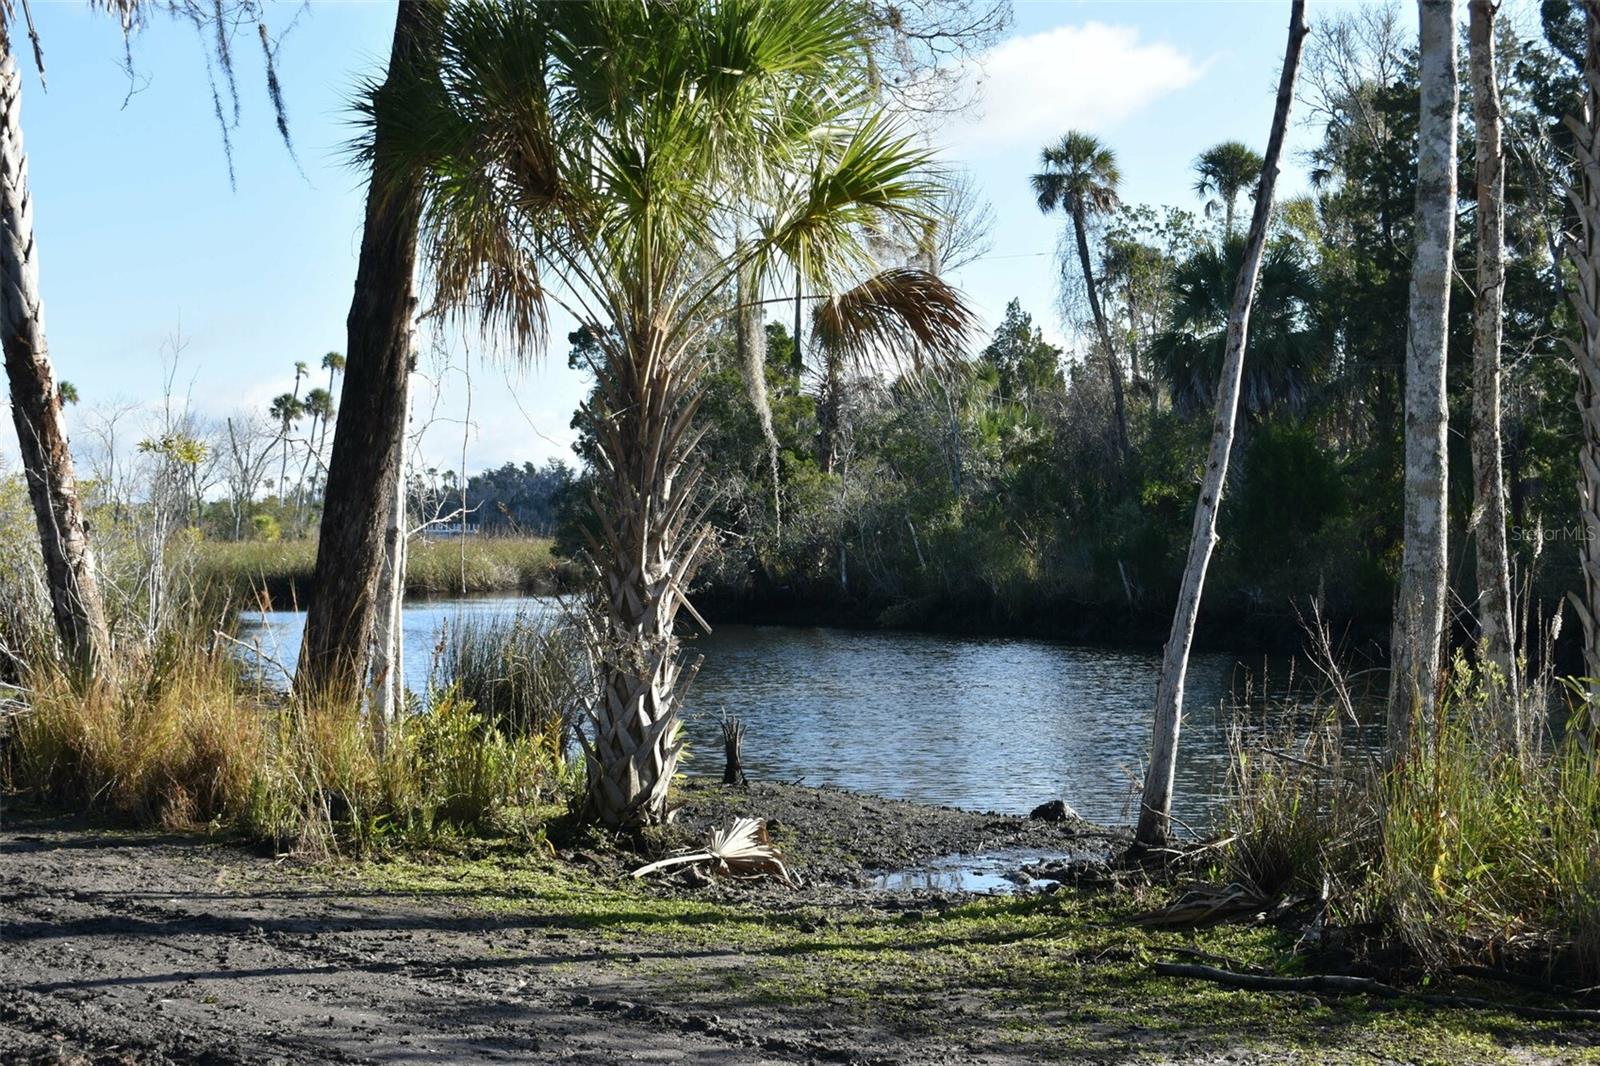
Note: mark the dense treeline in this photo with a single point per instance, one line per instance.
(998, 497)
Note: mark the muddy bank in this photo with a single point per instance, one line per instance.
(145, 947)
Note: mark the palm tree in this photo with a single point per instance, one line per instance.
(36, 401)
(630, 161)
(369, 437)
(1222, 172)
(1286, 353)
(318, 404)
(286, 410)
(1079, 175)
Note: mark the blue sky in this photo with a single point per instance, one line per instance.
(141, 236)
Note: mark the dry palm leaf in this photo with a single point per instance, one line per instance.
(742, 848)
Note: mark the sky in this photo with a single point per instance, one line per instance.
(143, 238)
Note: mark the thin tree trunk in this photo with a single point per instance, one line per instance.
(1155, 814)
(368, 435)
(36, 401)
(1081, 231)
(1584, 253)
(650, 538)
(388, 654)
(1420, 610)
(750, 340)
(1494, 567)
(828, 412)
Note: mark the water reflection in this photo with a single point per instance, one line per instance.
(980, 723)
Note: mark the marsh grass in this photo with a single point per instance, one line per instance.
(177, 732)
(277, 574)
(1464, 851)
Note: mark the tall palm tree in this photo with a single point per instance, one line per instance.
(1222, 172)
(286, 410)
(36, 400)
(318, 405)
(1078, 174)
(629, 161)
(369, 437)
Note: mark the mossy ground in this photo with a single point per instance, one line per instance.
(1066, 976)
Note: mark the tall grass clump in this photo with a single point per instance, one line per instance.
(1468, 849)
(172, 735)
(526, 672)
(1488, 857)
(1299, 808)
(330, 780)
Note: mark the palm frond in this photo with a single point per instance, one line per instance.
(899, 318)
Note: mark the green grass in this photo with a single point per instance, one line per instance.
(1063, 977)
(282, 569)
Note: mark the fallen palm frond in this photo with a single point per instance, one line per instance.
(741, 849)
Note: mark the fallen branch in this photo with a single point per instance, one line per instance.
(1343, 985)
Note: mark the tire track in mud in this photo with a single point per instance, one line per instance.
(117, 974)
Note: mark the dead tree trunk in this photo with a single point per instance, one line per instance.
(1493, 556)
(733, 752)
(36, 401)
(1155, 814)
(1419, 612)
(368, 436)
(388, 683)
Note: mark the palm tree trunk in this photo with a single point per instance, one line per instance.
(1494, 568)
(650, 539)
(368, 435)
(1081, 231)
(1585, 294)
(828, 413)
(1420, 611)
(1155, 814)
(36, 401)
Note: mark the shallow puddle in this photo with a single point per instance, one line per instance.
(996, 873)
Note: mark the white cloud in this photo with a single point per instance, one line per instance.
(1071, 77)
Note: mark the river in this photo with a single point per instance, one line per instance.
(983, 723)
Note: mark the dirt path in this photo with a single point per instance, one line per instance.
(151, 948)
(148, 948)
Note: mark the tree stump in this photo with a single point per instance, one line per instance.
(732, 744)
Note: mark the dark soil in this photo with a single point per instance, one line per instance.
(153, 947)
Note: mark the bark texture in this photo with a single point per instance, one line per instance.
(1493, 557)
(1080, 229)
(369, 433)
(650, 538)
(388, 678)
(1155, 813)
(1420, 612)
(36, 401)
(1584, 253)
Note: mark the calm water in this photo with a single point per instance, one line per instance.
(976, 722)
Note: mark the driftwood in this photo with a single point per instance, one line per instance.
(1342, 985)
